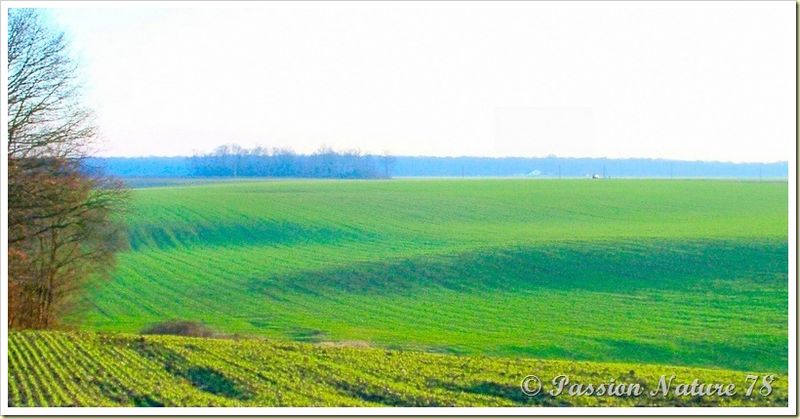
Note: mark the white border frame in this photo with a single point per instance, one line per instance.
(790, 410)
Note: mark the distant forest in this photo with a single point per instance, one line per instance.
(235, 161)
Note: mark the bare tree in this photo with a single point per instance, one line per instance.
(45, 117)
(60, 223)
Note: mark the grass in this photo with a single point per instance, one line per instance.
(623, 270)
(88, 369)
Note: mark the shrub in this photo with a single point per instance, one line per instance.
(179, 328)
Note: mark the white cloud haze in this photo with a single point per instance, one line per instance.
(684, 80)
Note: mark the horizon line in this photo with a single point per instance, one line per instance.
(483, 157)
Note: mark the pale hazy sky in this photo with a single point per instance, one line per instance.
(684, 80)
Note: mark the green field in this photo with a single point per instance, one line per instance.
(509, 277)
(85, 369)
(622, 270)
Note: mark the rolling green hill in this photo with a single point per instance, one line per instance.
(86, 369)
(662, 272)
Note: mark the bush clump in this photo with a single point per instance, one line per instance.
(179, 328)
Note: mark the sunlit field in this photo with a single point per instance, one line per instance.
(516, 205)
(634, 271)
(426, 293)
(86, 369)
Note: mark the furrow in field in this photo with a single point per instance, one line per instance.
(60, 378)
(76, 377)
(253, 372)
(601, 266)
(44, 394)
(20, 376)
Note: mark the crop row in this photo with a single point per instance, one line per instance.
(87, 369)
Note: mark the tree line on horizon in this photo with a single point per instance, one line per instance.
(237, 161)
(266, 163)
